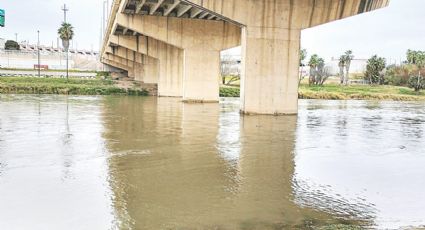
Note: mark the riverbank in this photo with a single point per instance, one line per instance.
(353, 92)
(30, 85)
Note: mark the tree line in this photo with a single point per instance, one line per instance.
(377, 72)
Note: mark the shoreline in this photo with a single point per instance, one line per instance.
(337, 92)
(72, 86)
(61, 86)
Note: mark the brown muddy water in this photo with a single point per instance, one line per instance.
(83, 162)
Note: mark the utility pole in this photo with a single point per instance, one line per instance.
(16, 37)
(38, 51)
(66, 49)
(64, 9)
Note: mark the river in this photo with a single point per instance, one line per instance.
(83, 162)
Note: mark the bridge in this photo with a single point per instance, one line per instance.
(176, 44)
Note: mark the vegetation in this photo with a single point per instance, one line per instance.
(303, 56)
(374, 70)
(359, 92)
(25, 85)
(352, 92)
(229, 92)
(416, 82)
(66, 33)
(345, 63)
(11, 45)
(318, 72)
(399, 75)
(230, 73)
(415, 57)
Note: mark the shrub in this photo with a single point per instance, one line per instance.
(374, 70)
(11, 45)
(397, 75)
(417, 83)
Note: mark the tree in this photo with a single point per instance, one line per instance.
(230, 70)
(66, 33)
(322, 73)
(348, 58)
(11, 45)
(374, 70)
(416, 82)
(345, 63)
(303, 56)
(418, 58)
(415, 57)
(313, 63)
(318, 72)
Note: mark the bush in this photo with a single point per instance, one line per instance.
(374, 70)
(399, 75)
(417, 83)
(11, 45)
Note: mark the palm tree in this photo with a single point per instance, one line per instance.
(348, 58)
(315, 62)
(303, 56)
(341, 66)
(66, 33)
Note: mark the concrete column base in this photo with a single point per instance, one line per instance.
(201, 75)
(270, 63)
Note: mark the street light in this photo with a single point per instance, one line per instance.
(38, 51)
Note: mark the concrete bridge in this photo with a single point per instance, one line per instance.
(177, 44)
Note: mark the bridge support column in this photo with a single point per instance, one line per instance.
(201, 75)
(171, 71)
(150, 69)
(270, 63)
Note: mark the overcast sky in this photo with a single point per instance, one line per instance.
(387, 32)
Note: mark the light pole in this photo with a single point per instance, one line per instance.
(64, 9)
(38, 51)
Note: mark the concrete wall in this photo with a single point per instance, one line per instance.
(27, 59)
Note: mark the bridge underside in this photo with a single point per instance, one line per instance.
(184, 38)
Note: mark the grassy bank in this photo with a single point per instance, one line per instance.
(354, 92)
(360, 92)
(25, 85)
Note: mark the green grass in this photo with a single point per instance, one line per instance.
(353, 92)
(27, 85)
(229, 92)
(366, 92)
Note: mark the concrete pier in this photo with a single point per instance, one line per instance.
(268, 31)
(170, 60)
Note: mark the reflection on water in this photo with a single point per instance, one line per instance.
(156, 163)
